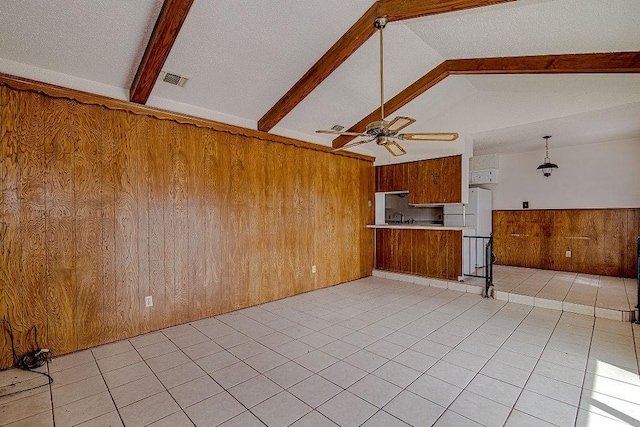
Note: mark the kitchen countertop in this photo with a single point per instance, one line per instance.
(419, 227)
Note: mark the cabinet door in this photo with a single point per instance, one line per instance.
(393, 250)
(436, 181)
(449, 187)
(419, 182)
(392, 177)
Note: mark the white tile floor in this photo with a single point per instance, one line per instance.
(373, 352)
(600, 296)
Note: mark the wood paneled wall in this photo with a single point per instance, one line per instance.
(601, 241)
(101, 207)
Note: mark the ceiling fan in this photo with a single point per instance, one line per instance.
(385, 132)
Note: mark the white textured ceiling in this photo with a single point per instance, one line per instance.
(101, 41)
(243, 55)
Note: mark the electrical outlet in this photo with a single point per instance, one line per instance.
(369, 204)
(148, 301)
(567, 254)
(313, 269)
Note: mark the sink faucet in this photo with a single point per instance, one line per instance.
(401, 216)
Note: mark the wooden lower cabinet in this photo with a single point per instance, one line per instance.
(429, 253)
(600, 241)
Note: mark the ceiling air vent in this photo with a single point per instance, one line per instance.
(174, 79)
(337, 128)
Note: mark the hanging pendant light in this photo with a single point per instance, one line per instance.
(547, 166)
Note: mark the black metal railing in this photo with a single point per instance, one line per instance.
(478, 259)
(638, 274)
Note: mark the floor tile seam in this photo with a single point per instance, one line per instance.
(633, 334)
(575, 418)
(50, 401)
(224, 389)
(476, 394)
(84, 395)
(477, 373)
(109, 389)
(531, 373)
(165, 387)
(53, 417)
(283, 391)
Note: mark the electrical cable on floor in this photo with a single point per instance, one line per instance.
(29, 362)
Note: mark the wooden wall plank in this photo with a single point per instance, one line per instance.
(140, 159)
(216, 271)
(108, 202)
(170, 136)
(237, 225)
(5, 357)
(258, 224)
(158, 194)
(11, 242)
(60, 138)
(195, 222)
(31, 158)
(88, 176)
(181, 224)
(126, 226)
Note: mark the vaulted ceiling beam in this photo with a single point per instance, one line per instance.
(164, 34)
(394, 10)
(617, 62)
(399, 10)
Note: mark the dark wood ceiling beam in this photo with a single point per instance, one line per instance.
(332, 59)
(616, 62)
(399, 10)
(395, 10)
(164, 34)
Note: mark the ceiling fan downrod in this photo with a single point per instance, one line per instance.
(380, 23)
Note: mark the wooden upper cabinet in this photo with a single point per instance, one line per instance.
(392, 177)
(436, 181)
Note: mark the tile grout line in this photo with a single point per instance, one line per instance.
(478, 373)
(108, 388)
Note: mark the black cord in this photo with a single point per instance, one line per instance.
(29, 361)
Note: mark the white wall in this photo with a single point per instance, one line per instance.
(603, 175)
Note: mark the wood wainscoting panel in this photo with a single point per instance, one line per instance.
(429, 253)
(101, 207)
(631, 243)
(600, 241)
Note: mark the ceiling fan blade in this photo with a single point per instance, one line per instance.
(353, 144)
(335, 132)
(394, 148)
(399, 123)
(428, 136)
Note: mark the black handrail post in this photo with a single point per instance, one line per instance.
(638, 278)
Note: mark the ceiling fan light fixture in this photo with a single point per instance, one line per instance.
(547, 167)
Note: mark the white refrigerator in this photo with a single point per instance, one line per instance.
(478, 215)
